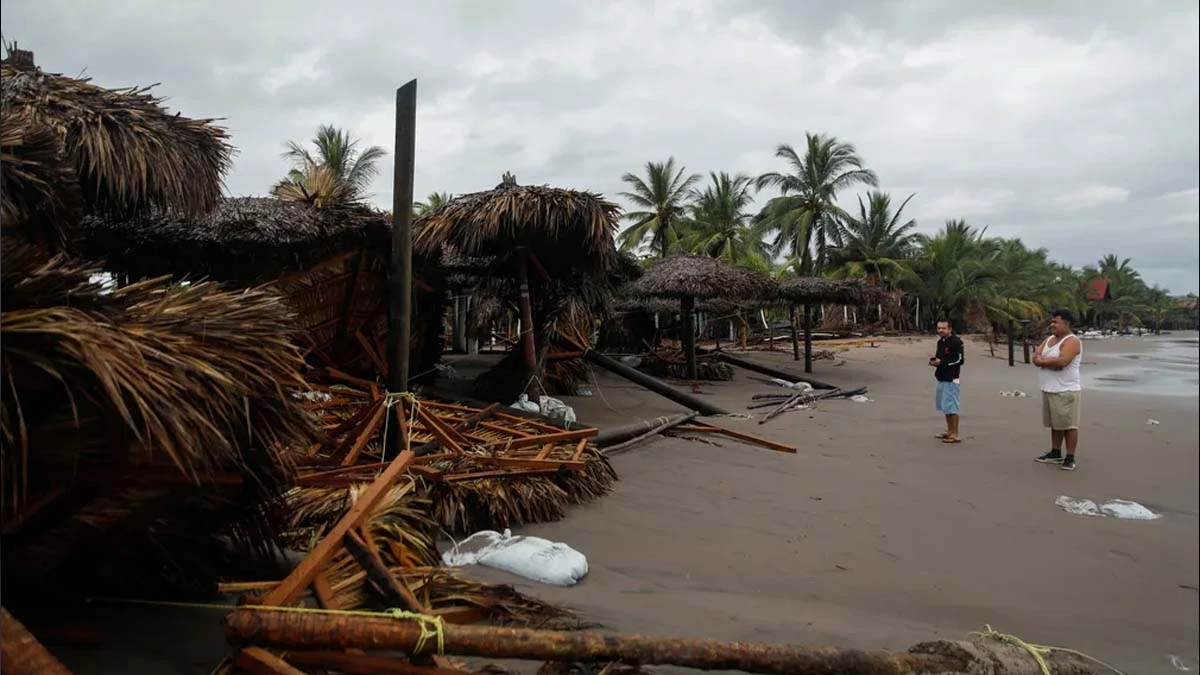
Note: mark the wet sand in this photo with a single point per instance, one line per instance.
(874, 535)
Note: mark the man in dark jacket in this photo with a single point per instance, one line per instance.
(947, 362)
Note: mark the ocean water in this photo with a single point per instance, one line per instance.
(1165, 365)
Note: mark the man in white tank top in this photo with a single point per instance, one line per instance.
(1058, 361)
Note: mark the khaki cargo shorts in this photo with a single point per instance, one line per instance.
(1060, 409)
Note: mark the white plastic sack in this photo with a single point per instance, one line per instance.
(556, 409)
(523, 403)
(533, 558)
(1114, 508)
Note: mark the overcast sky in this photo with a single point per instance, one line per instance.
(1073, 125)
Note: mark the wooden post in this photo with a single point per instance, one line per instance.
(795, 333)
(687, 316)
(400, 277)
(807, 339)
(526, 337)
(1012, 361)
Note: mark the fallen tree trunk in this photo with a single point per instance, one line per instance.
(614, 435)
(748, 365)
(665, 425)
(21, 653)
(653, 384)
(271, 627)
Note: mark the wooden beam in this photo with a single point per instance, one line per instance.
(258, 661)
(304, 573)
(21, 653)
(547, 438)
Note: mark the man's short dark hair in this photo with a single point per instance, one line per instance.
(1064, 314)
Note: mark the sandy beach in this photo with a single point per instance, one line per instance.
(875, 534)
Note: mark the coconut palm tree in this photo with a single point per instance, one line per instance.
(433, 201)
(803, 217)
(719, 225)
(875, 245)
(660, 202)
(337, 166)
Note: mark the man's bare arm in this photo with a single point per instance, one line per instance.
(1069, 350)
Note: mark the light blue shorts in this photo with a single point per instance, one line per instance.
(946, 397)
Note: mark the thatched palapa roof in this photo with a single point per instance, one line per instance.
(126, 150)
(804, 290)
(568, 231)
(243, 238)
(700, 277)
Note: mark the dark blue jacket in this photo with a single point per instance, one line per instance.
(950, 351)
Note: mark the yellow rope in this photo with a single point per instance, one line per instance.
(431, 626)
(390, 399)
(1038, 652)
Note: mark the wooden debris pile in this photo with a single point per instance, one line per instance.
(477, 468)
(673, 363)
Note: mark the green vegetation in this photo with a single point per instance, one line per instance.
(959, 272)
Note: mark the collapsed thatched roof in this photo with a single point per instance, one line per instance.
(127, 151)
(664, 306)
(568, 231)
(700, 277)
(243, 238)
(801, 290)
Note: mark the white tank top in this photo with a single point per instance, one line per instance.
(1067, 379)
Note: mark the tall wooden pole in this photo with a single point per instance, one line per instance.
(687, 312)
(400, 277)
(807, 339)
(528, 348)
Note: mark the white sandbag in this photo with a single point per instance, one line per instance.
(533, 558)
(523, 403)
(556, 409)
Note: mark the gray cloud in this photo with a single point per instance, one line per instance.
(1073, 125)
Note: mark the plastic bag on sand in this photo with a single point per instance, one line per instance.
(798, 386)
(534, 558)
(523, 403)
(1114, 508)
(556, 409)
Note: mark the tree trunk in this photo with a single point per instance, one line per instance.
(265, 627)
(653, 384)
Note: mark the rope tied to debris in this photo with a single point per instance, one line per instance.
(431, 626)
(438, 629)
(1038, 652)
(390, 400)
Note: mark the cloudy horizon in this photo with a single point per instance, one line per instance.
(1072, 125)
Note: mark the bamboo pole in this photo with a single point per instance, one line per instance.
(21, 653)
(265, 627)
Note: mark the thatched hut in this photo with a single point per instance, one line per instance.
(330, 263)
(119, 405)
(808, 291)
(689, 278)
(548, 251)
(118, 150)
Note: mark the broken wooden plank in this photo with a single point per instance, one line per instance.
(753, 440)
(304, 573)
(258, 661)
(21, 653)
(556, 437)
(368, 558)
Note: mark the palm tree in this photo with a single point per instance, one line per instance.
(876, 245)
(338, 166)
(720, 223)
(803, 217)
(661, 201)
(435, 200)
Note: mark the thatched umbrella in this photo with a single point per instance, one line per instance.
(126, 151)
(806, 291)
(558, 233)
(689, 278)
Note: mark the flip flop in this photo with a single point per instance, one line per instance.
(952, 440)
(941, 436)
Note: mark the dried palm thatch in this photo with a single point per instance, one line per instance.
(813, 290)
(399, 525)
(39, 193)
(317, 185)
(699, 277)
(243, 239)
(570, 232)
(191, 375)
(499, 503)
(127, 151)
